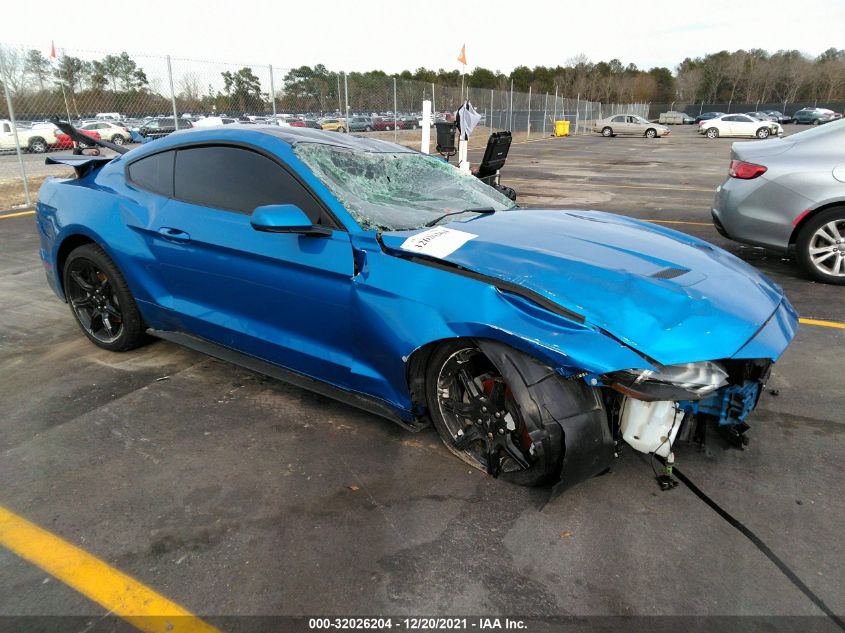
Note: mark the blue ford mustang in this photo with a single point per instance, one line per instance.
(535, 341)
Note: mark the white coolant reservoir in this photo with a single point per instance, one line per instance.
(650, 427)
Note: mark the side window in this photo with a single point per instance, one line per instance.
(154, 173)
(731, 118)
(7, 129)
(240, 180)
(618, 119)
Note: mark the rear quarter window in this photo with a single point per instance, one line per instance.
(154, 173)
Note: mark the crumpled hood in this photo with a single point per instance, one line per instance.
(670, 296)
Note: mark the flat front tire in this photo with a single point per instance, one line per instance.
(475, 413)
(100, 300)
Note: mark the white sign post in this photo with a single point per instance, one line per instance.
(426, 127)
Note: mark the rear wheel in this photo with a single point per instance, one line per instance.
(820, 248)
(341, 130)
(607, 132)
(476, 415)
(100, 300)
(763, 132)
(37, 145)
(712, 133)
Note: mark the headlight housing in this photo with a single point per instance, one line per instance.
(687, 381)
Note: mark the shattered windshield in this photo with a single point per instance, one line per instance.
(397, 191)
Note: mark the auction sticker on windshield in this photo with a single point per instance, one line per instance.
(437, 242)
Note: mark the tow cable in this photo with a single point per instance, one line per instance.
(758, 543)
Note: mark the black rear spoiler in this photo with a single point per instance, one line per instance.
(84, 139)
(81, 164)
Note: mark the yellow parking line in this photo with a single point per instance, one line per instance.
(833, 324)
(16, 215)
(116, 592)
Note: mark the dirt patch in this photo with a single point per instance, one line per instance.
(12, 196)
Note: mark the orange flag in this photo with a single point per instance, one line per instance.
(463, 56)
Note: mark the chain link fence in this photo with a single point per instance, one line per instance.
(124, 97)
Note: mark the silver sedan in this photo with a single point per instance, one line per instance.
(789, 194)
(629, 124)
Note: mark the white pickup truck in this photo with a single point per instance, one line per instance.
(37, 139)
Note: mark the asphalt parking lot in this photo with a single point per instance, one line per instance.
(235, 495)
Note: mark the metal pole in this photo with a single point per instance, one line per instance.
(528, 124)
(346, 93)
(490, 121)
(545, 112)
(554, 116)
(272, 92)
(339, 101)
(510, 115)
(27, 199)
(433, 104)
(395, 117)
(172, 94)
(577, 109)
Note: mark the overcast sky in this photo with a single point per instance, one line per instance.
(394, 35)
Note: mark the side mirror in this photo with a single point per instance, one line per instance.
(285, 218)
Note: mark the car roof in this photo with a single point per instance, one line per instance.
(291, 135)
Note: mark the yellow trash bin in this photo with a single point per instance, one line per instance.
(561, 128)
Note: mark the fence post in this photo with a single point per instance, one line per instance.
(395, 116)
(490, 121)
(528, 124)
(27, 199)
(545, 111)
(433, 103)
(273, 93)
(339, 98)
(554, 115)
(346, 94)
(510, 110)
(577, 108)
(172, 94)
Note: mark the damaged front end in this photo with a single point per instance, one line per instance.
(651, 409)
(584, 418)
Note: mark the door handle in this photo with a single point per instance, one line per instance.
(175, 235)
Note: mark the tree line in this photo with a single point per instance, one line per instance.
(119, 83)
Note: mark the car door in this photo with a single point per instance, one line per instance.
(284, 298)
(634, 126)
(619, 125)
(744, 125)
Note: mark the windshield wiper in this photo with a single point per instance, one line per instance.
(446, 215)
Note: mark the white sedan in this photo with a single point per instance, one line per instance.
(739, 125)
(112, 131)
